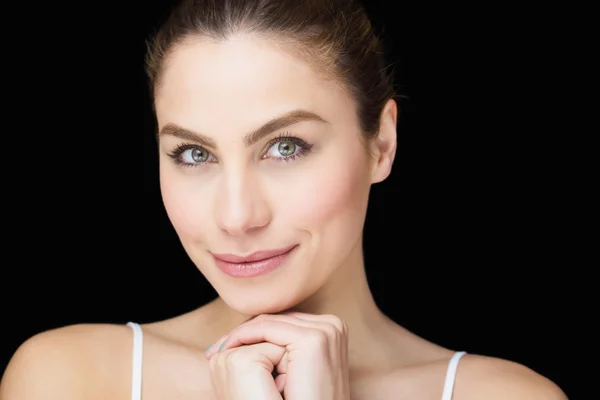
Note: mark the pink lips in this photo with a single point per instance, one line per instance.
(255, 264)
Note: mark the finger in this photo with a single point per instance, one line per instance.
(214, 348)
(280, 382)
(334, 320)
(277, 332)
(218, 345)
(329, 324)
(267, 354)
(331, 330)
(282, 366)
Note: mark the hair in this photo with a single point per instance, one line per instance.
(335, 37)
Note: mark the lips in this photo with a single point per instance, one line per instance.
(254, 257)
(253, 265)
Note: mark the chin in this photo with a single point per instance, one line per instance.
(253, 308)
(258, 304)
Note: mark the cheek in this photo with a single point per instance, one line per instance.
(336, 198)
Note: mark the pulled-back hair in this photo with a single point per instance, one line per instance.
(334, 36)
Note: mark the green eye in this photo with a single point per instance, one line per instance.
(287, 148)
(199, 155)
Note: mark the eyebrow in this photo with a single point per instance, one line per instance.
(287, 119)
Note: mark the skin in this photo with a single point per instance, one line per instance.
(242, 202)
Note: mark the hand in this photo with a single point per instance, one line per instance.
(246, 372)
(315, 361)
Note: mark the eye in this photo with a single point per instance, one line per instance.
(283, 148)
(191, 156)
(195, 155)
(286, 148)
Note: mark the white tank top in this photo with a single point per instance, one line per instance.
(136, 373)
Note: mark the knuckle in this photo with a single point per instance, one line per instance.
(237, 358)
(214, 362)
(331, 332)
(259, 318)
(231, 358)
(337, 323)
(318, 339)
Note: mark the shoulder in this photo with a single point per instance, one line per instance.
(497, 379)
(92, 361)
(68, 363)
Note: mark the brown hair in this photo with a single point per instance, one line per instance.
(334, 36)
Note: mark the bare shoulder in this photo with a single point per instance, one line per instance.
(70, 362)
(491, 378)
(91, 361)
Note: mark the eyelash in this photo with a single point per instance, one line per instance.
(284, 137)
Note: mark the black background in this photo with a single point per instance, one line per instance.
(465, 243)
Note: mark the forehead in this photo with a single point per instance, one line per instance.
(244, 79)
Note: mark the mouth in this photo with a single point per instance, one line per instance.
(253, 265)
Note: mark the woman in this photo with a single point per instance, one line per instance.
(275, 118)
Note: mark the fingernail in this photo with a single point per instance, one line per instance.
(208, 349)
(222, 345)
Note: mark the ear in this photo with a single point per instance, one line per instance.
(383, 147)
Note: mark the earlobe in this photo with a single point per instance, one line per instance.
(385, 143)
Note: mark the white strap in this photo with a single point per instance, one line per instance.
(136, 380)
(451, 375)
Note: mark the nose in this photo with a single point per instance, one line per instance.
(241, 206)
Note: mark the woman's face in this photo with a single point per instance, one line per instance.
(237, 180)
